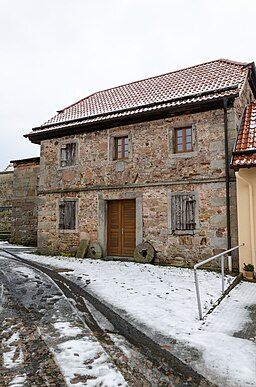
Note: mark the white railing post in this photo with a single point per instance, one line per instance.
(198, 296)
(230, 268)
(221, 255)
(222, 274)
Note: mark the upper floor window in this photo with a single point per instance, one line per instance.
(183, 140)
(121, 148)
(67, 215)
(68, 154)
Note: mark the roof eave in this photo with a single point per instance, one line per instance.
(31, 160)
(37, 135)
(236, 167)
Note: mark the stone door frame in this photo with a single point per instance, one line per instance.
(102, 216)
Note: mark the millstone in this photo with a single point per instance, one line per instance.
(82, 248)
(144, 253)
(94, 250)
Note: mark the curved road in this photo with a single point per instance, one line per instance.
(35, 298)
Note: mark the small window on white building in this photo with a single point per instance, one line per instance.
(68, 154)
(67, 215)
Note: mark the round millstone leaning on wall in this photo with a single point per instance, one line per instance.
(144, 253)
(94, 250)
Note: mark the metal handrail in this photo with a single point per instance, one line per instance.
(197, 265)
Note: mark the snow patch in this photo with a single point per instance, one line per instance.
(161, 301)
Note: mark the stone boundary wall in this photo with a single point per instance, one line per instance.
(6, 190)
(24, 202)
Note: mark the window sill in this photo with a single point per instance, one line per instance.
(182, 232)
(121, 160)
(67, 231)
(184, 155)
(68, 166)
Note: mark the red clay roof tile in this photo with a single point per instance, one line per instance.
(204, 82)
(244, 154)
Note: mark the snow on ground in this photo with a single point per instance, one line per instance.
(10, 356)
(150, 295)
(82, 359)
(18, 381)
(230, 361)
(161, 301)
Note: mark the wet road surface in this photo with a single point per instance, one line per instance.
(35, 303)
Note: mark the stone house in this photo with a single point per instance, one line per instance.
(244, 163)
(146, 162)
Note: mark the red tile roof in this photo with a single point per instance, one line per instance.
(202, 83)
(244, 154)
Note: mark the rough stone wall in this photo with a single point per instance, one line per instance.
(151, 159)
(24, 202)
(6, 187)
(182, 250)
(153, 171)
(245, 99)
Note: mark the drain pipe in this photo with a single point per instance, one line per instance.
(225, 103)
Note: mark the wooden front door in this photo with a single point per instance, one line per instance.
(121, 227)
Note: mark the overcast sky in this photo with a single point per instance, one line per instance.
(55, 52)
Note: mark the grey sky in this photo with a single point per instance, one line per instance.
(55, 52)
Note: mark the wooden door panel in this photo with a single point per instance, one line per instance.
(129, 227)
(114, 230)
(121, 239)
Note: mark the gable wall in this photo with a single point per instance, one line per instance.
(245, 99)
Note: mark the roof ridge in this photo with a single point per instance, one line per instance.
(153, 77)
(233, 62)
